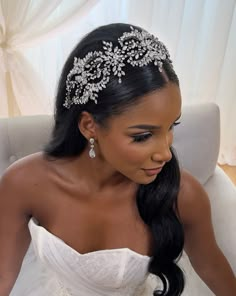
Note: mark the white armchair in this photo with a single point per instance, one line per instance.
(197, 144)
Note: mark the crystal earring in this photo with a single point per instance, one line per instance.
(92, 153)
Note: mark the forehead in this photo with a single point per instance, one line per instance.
(160, 106)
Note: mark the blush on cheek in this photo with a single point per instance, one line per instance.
(135, 156)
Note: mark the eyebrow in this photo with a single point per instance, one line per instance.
(148, 126)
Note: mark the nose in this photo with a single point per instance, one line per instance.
(162, 152)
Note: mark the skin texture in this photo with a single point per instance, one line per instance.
(90, 203)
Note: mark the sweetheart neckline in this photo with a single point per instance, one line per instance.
(34, 222)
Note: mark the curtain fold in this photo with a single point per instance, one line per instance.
(26, 23)
(226, 97)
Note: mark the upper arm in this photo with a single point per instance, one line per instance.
(195, 214)
(14, 233)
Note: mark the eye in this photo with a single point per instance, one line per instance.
(141, 137)
(174, 124)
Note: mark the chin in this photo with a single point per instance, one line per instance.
(144, 181)
(140, 180)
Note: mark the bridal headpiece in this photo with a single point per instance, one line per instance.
(91, 74)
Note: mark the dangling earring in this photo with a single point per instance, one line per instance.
(92, 153)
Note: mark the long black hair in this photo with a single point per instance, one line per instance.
(156, 201)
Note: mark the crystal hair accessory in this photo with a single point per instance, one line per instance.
(91, 74)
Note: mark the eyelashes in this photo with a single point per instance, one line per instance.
(142, 137)
(175, 124)
(145, 136)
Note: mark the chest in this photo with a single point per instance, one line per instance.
(89, 225)
(96, 273)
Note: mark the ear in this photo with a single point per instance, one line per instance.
(87, 125)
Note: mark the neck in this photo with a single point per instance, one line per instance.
(96, 173)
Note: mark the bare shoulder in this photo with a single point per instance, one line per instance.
(16, 204)
(195, 212)
(24, 168)
(193, 201)
(19, 179)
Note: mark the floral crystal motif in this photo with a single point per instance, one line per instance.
(91, 74)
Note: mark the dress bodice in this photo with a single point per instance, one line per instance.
(106, 272)
(52, 268)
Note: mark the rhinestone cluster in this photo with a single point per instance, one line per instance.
(91, 74)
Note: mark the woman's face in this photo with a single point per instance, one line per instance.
(137, 142)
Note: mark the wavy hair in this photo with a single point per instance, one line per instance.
(156, 201)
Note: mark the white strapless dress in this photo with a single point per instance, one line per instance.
(52, 268)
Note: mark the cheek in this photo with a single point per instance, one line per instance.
(120, 151)
(125, 152)
(135, 153)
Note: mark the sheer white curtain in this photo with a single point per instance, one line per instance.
(25, 23)
(201, 37)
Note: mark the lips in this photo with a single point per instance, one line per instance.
(153, 171)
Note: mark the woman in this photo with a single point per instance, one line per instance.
(106, 204)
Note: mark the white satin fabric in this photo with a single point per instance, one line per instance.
(51, 267)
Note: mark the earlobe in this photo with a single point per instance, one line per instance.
(87, 125)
